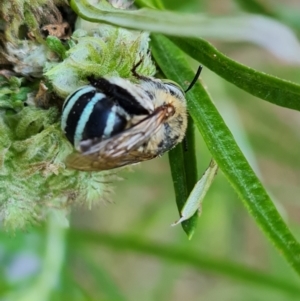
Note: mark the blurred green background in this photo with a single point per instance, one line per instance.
(119, 249)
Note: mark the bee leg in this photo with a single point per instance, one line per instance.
(100, 83)
(92, 79)
(185, 144)
(133, 70)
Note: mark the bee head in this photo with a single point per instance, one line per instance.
(173, 88)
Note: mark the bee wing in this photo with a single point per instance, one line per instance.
(119, 150)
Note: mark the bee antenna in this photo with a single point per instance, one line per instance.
(194, 79)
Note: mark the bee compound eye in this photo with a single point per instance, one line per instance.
(173, 87)
(170, 110)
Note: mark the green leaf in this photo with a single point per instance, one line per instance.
(195, 260)
(149, 3)
(226, 152)
(270, 88)
(189, 155)
(104, 281)
(183, 166)
(276, 37)
(179, 176)
(256, 7)
(57, 46)
(12, 93)
(193, 205)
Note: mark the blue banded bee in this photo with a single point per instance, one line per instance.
(113, 122)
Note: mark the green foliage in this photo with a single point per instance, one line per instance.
(135, 256)
(226, 153)
(33, 177)
(100, 51)
(18, 13)
(13, 93)
(56, 46)
(181, 177)
(277, 91)
(33, 148)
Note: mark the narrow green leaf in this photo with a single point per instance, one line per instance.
(255, 7)
(155, 4)
(142, 19)
(189, 155)
(266, 32)
(190, 172)
(226, 152)
(71, 288)
(193, 205)
(179, 176)
(281, 12)
(178, 255)
(270, 88)
(104, 281)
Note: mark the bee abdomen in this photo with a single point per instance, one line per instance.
(89, 114)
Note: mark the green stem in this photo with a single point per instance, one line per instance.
(48, 278)
(196, 260)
